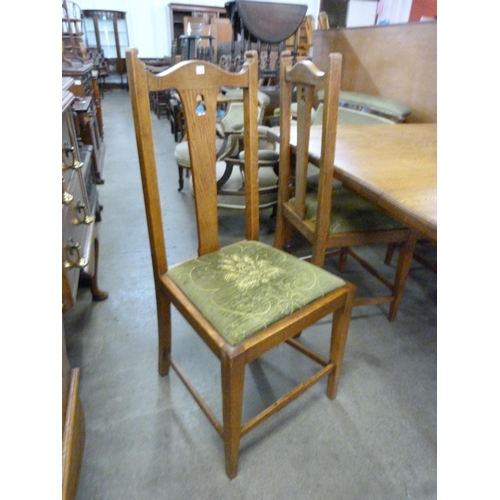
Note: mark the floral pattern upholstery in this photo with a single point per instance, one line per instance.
(246, 287)
(351, 213)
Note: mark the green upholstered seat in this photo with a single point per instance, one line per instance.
(351, 213)
(375, 104)
(348, 116)
(389, 108)
(246, 287)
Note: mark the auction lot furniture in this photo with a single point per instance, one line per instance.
(394, 167)
(331, 220)
(243, 299)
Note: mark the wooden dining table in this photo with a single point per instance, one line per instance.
(393, 166)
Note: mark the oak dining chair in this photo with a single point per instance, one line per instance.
(243, 299)
(331, 220)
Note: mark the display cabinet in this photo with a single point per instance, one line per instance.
(106, 31)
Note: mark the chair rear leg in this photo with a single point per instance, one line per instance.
(164, 333)
(344, 252)
(391, 247)
(404, 262)
(232, 378)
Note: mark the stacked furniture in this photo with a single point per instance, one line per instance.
(80, 211)
(80, 207)
(265, 26)
(78, 67)
(82, 160)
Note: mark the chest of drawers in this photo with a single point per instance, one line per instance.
(80, 208)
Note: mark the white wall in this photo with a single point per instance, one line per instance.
(394, 11)
(361, 13)
(148, 21)
(364, 12)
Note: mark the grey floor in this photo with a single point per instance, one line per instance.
(146, 437)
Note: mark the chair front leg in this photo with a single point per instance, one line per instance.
(232, 378)
(344, 252)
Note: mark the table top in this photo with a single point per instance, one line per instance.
(394, 166)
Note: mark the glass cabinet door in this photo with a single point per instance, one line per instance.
(106, 31)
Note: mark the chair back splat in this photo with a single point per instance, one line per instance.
(246, 298)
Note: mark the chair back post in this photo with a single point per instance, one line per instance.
(306, 78)
(251, 146)
(328, 144)
(139, 94)
(285, 180)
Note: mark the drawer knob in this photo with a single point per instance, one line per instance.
(67, 198)
(74, 259)
(69, 151)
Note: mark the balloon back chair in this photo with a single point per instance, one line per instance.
(245, 298)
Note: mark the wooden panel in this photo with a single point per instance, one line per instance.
(73, 442)
(396, 61)
(224, 29)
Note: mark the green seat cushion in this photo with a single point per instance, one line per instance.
(246, 287)
(348, 116)
(373, 103)
(351, 213)
(388, 107)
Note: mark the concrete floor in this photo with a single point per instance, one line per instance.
(146, 437)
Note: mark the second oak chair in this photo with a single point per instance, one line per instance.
(329, 218)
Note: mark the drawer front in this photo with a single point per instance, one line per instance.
(78, 221)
